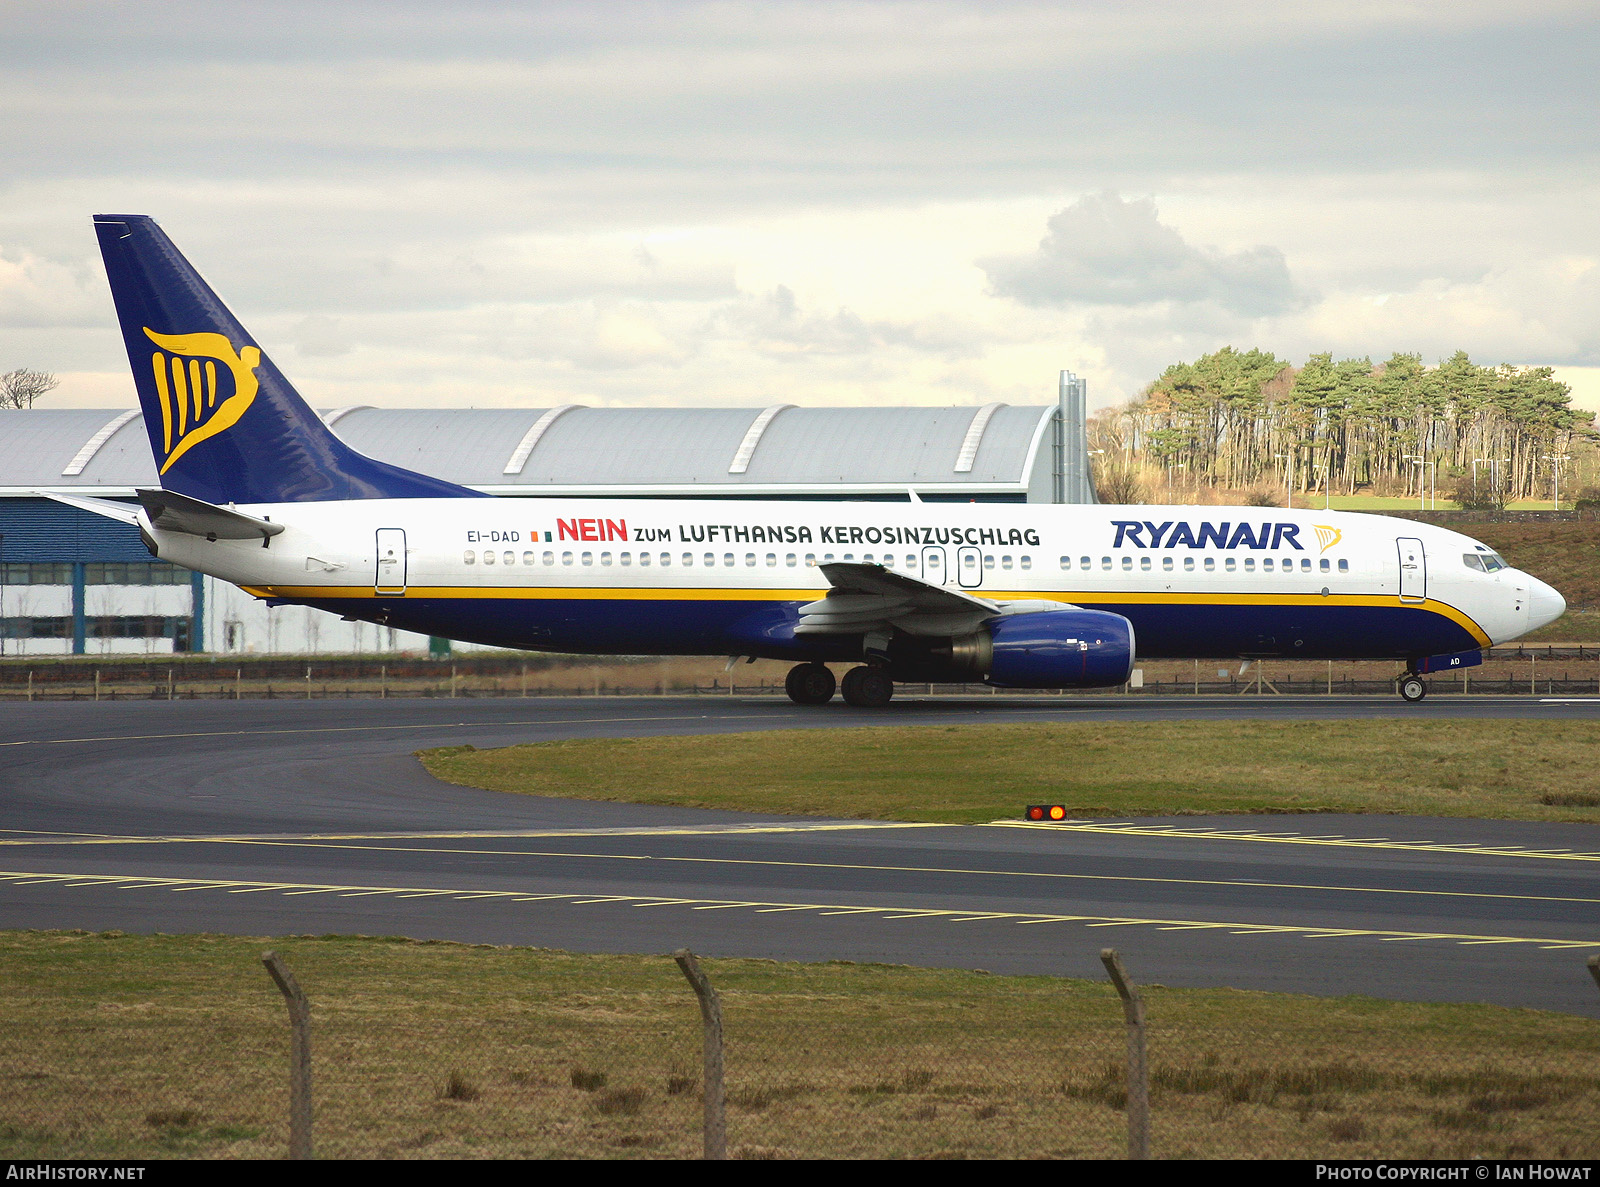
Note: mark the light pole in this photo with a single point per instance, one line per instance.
(1555, 460)
(1494, 471)
(1093, 486)
(1422, 477)
(1171, 466)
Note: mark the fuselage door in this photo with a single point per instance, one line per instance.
(933, 566)
(391, 577)
(1413, 570)
(969, 567)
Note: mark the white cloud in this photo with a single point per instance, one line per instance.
(507, 203)
(1103, 250)
(44, 293)
(1585, 385)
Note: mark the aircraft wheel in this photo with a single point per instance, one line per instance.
(1412, 688)
(867, 687)
(809, 684)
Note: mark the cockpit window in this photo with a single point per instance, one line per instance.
(1484, 561)
(1474, 561)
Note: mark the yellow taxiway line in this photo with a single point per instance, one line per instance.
(1336, 840)
(579, 855)
(969, 915)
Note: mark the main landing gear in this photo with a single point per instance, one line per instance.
(866, 687)
(809, 684)
(1412, 688)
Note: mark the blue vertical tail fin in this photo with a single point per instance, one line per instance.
(225, 425)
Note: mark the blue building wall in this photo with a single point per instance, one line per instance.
(42, 531)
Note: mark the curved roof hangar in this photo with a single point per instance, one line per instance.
(991, 452)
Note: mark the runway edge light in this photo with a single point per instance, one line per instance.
(1037, 812)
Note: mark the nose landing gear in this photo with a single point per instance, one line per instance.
(809, 684)
(1412, 688)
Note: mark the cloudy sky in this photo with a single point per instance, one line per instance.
(482, 204)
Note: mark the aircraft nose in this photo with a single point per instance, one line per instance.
(1545, 605)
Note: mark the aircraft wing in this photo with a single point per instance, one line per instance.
(870, 598)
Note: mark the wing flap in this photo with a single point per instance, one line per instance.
(866, 599)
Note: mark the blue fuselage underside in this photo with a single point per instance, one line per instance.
(739, 627)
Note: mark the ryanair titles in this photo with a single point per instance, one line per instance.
(1178, 534)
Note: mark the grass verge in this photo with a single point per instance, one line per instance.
(122, 1046)
(1508, 770)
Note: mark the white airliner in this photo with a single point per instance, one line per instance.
(257, 491)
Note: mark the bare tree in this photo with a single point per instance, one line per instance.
(20, 388)
(1119, 484)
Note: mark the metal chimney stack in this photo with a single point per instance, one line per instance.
(1072, 475)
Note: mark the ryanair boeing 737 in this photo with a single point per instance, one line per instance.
(257, 491)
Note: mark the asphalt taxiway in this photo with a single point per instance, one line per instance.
(313, 817)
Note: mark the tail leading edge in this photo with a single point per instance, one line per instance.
(225, 425)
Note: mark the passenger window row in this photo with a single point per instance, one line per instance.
(728, 560)
(969, 561)
(1230, 564)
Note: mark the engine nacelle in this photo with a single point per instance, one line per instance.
(1061, 649)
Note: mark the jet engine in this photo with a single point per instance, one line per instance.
(1060, 649)
(1045, 649)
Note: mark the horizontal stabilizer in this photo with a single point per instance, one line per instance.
(124, 512)
(169, 511)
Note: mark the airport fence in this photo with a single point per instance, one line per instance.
(181, 1047)
(1528, 669)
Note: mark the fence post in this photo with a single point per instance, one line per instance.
(716, 1120)
(1138, 1072)
(299, 1055)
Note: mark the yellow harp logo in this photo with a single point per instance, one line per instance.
(198, 400)
(1326, 536)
